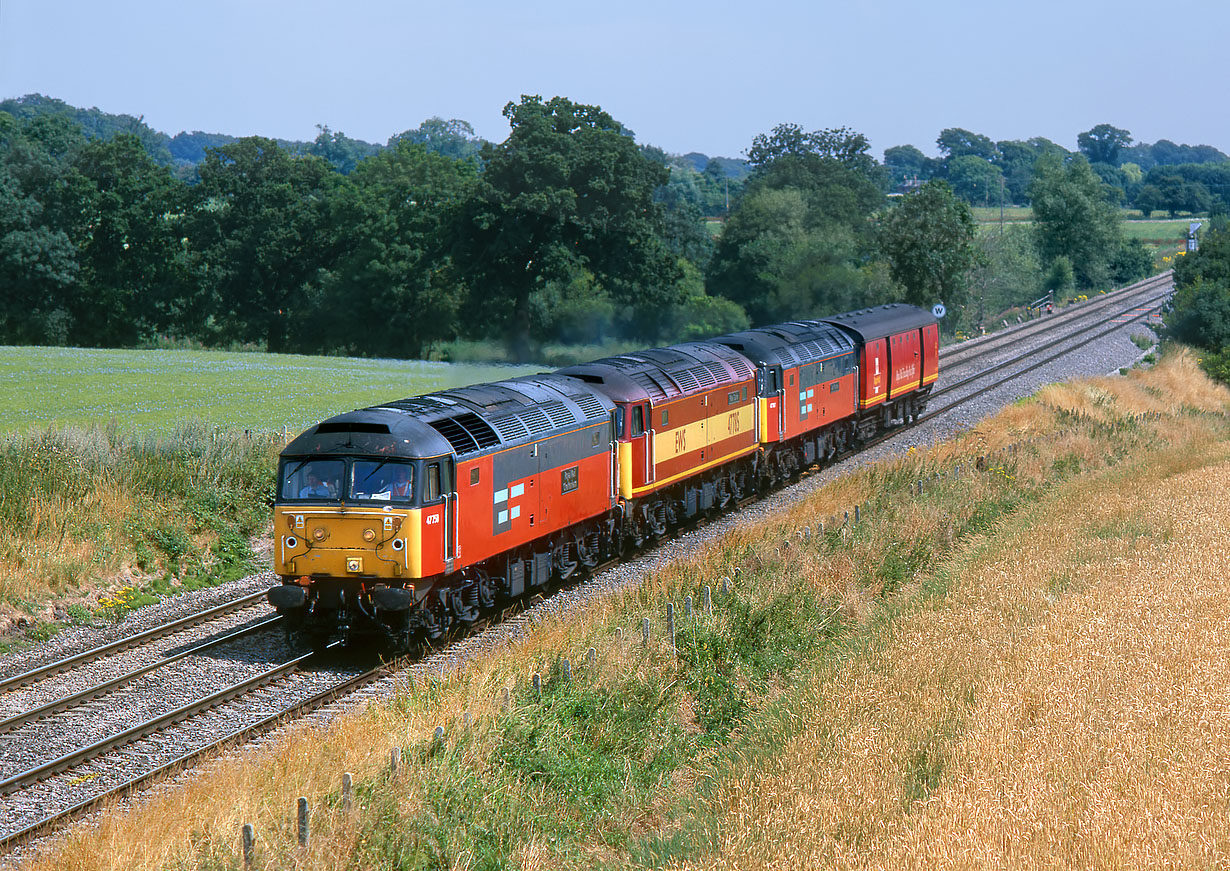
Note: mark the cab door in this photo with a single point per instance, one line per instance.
(439, 517)
(642, 443)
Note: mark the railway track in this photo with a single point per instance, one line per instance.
(92, 762)
(973, 349)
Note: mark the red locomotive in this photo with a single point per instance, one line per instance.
(398, 521)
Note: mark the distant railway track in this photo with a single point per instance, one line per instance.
(962, 353)
(1085, 325)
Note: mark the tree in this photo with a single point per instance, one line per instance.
(956, 142)
(260, 226)
(1200, 308)
(131, 258)
(1005, 274)
(394, 288)
(567, 190)
(340, 150)
(790, 142)
(905, 162)
(975, 180)
(1103, 143)
(796, 242)
(453, 138)
(928, 241)
(1073, 217)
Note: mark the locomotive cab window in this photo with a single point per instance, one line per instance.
(432, 486)
(638, 421)
(380, 481)
(664, 417)
(312, 479)
(474, 476)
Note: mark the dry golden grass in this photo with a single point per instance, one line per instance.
(1066, 706)
(1063, 704)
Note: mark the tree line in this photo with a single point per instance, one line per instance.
(1162, 176)
(567, 231)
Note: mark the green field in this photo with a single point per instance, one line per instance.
(990, 214)
(153, 391)
(1158, 232)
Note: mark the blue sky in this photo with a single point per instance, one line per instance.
(686, 76)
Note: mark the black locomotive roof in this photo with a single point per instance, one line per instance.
(789, 344)
(663, 373)
(870, 324)
(461, 421)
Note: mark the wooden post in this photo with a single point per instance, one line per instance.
(645, 630)
(249, 845)
(708, 599)
(591, 655)
(347, 792)
(567, 670)
(506, 703)
(670, 623)
(687, 607)
(303, 821)
(537, 685)
(394, 760)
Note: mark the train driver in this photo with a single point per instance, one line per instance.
(400, 488)
(315, 488)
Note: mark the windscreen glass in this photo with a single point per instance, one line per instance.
(312, 479)
(381, 481)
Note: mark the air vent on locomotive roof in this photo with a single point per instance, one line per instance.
(560, 415)
(590, 405)
(686, 380)
(510, 428)
(535, 421)
(352, 426)
(466, 432)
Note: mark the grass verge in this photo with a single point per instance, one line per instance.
(98, 522)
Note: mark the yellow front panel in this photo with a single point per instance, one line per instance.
(319, 540)
(625, 470)
(764, 420)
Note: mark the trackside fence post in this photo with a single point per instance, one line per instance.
(249, 845)
(303, 821)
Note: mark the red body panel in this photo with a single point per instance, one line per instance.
(930, 352)
(873, 373)
(812, 401)
(556, 492)
(904, 363)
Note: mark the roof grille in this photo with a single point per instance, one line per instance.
(510, 428)
(686, 380)
(651, 386)
(705, 377)
(467, 433)
(559, 414)
(590, 405)
(535, 421)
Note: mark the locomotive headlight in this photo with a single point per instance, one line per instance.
(320, 533)
(369, 535)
